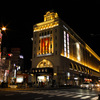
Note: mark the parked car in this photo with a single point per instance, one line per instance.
(97, 85)
(87, 85)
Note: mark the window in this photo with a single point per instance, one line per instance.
(50, 46)
(56, 52)
(40, 34)
(35, 35)
(55, 30)
(55, 37)
(44, 63)
(51, 39)
(34, 55)
(48, 32)
(34, 42)
(34, 48)
(45, 33)
(56, 45)
(51, 32)
(45, 42)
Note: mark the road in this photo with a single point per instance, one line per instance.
(58, 94)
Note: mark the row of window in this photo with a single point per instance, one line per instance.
(44, 33)
(79, 68)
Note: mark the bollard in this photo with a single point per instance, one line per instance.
(98, 96)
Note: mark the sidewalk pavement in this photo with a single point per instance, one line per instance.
(26, 89)
(34, 88)
(15, 89)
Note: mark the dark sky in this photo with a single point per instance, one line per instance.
(83, 16)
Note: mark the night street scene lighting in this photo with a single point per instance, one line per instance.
(50, 51)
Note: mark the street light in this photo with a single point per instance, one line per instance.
(3, 28)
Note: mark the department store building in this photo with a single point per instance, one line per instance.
(59, 55)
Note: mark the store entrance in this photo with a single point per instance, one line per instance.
(44, 80)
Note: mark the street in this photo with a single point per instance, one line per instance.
(57, 94)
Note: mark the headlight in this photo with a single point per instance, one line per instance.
(87, 86)
(80, 85)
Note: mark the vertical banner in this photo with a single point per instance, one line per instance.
(45, 45)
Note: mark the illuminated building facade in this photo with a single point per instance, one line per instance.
(60, 55)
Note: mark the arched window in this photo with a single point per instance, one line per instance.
(71, 67)
(44, 64)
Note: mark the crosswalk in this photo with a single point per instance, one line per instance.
(59, 93)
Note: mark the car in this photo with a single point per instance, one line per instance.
(97, 85)
(87, 85)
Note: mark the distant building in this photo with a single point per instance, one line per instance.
(13, 65)
(15, 58)
(60, 56)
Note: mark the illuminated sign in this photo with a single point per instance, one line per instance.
(0, 35)
(10, 54)
(78, 51)
(21, 56)
(19, 79)
(64, 43)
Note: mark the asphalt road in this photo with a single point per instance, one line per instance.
(59, 94)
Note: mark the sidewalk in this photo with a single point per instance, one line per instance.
(15, 89)
(29, 89)
(34, 88)
(25, 89)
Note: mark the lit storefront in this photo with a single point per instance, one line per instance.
(60, 55)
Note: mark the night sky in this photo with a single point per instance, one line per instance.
(83, 16)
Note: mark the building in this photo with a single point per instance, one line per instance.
(60, 56)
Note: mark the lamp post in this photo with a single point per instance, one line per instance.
(1, 73)
(1, 29)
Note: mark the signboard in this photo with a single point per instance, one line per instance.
(19, 79)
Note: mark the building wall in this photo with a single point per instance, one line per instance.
(78, 51)
(64, 50)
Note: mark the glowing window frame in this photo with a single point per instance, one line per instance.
(44, 64)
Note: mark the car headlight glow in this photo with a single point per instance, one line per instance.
(87, 86)
(81, 85)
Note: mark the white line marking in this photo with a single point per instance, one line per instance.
(77, 96)
(94, 98)
(85, 97)
(68, 95)
(38, 98)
